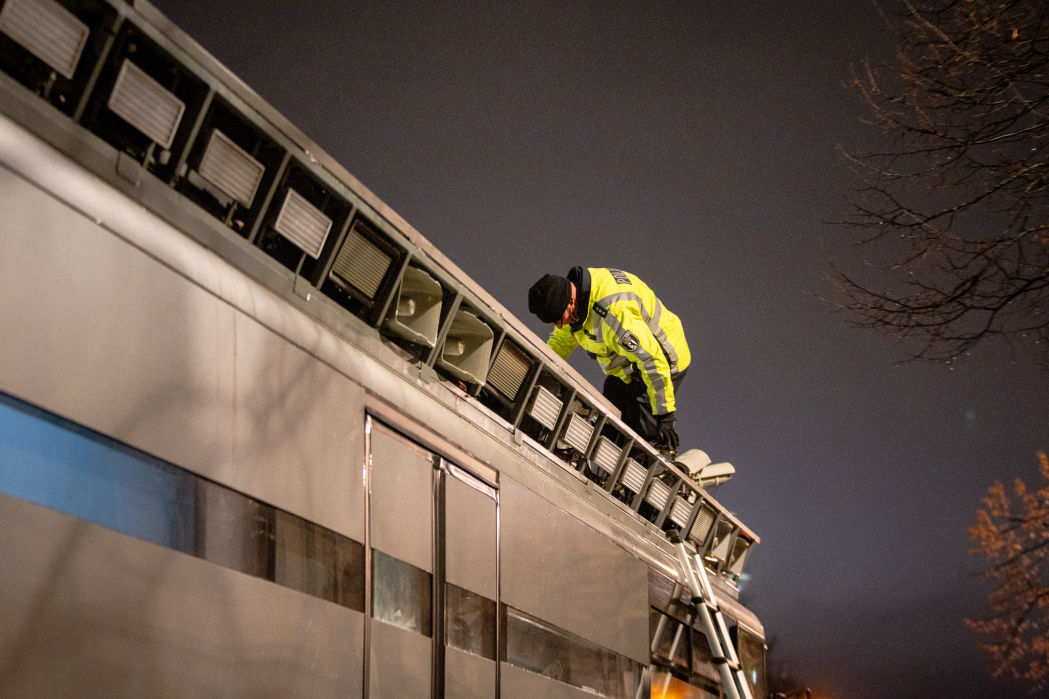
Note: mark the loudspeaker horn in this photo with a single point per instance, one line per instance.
(467, 350)
(416, 315)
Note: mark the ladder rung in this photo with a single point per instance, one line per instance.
(725, 661)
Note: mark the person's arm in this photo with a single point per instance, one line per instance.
(562, 341)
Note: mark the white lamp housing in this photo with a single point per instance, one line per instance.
(145, 104)
(47, 30)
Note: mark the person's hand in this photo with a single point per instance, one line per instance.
(666, 432)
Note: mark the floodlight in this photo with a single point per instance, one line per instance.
(145, 104)
(361, 263)
(47, 30)
(509, 370)
(606, 455)
(302, 223)
(545, 408)
(578, 433)
(230, 168)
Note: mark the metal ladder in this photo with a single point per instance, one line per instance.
(733, 679)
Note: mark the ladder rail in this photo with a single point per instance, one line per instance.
(708, 609)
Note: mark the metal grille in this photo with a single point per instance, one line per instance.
(680, 511)
(144, 103)
(578, 433)
(701, 527)
(303, 224)
(633, 475)
(545, 408)
(509, 370)
(47, 30)
(361, 263)
(229, 167)
(607, 454)
(657, 494)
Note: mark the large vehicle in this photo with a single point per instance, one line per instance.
(259, 438)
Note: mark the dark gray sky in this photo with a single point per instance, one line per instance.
(692, 143)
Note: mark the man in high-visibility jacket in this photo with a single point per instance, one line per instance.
(638, 342)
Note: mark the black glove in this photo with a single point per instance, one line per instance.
(666, 434)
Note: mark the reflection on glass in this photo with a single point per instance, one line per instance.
(752, 658)
(669, 638)
(469, 621)
(58, 464)
(549, 651)
(402, 594)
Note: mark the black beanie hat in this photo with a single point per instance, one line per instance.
(549, 297)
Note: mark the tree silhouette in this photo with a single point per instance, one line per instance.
(1013, 537)
(956, 207)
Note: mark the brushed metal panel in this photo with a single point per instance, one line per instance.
(285, 448)
(90, 612)
(468, 676)
(100, 333)
(556, 568)
(516, 682)
(400, 663)
(470, 539)
(402, 498)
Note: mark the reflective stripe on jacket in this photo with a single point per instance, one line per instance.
(627, 329)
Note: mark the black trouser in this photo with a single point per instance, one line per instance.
(632, 401)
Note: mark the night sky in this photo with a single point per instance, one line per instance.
(692, 143)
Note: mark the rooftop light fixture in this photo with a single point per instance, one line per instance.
(303, 224)
(145, 104)
(509, 370)
(545, 408)
(606, 455)
(47, 30)
(230, 168)
(361, 263)
(578, 433)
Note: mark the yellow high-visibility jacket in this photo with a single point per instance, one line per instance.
(627, 329)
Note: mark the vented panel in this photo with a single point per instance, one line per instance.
(361, 263)
(578, 433)
(701, 527)
(509, 370)
(633, 475)
(545, 408)
(606, 455)
(229, 167)
(47, 30)
(305, 225)
(657, 494)
(144, 103)
(680, 511)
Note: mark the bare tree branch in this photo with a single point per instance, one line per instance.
(958, 204)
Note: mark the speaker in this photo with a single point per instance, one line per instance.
(467, 350)
(416, 314)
